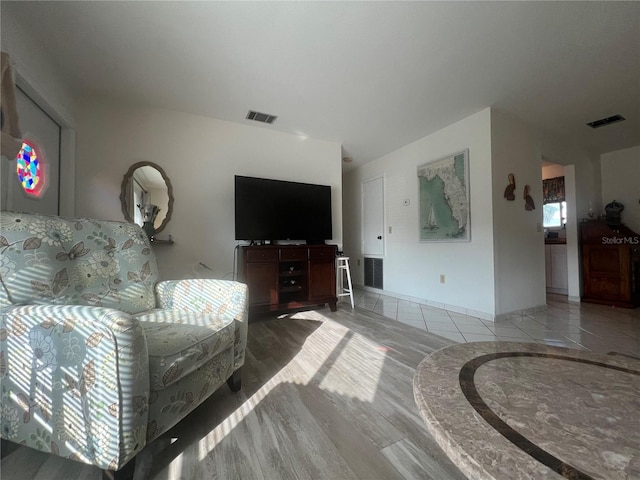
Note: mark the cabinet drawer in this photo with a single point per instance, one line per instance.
(262, 255)
(293, 254)
(322, 253)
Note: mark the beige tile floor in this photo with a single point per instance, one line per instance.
(597, 328)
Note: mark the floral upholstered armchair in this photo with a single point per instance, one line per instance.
(98, 358)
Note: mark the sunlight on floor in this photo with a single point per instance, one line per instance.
(366, 363)
(175, 468)
(347, 348)
(344, 348)
(215, 436)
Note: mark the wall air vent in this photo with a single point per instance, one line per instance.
(261, 117)
(373, 272)
(606, 121)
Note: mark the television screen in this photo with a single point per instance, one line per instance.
(280, 210)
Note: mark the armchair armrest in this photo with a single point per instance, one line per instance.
(223, 298)
(219, 297)
(76, 381)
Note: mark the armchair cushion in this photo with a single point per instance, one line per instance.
(181, 342)
(221, 298)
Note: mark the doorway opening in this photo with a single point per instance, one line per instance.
(562, 266)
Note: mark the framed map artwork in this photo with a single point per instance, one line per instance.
(443, 187)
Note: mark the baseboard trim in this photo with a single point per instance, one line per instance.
(520, 313)
(429, 303)
(458, 309)
(557, 291)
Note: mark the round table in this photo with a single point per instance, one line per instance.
(503, 410)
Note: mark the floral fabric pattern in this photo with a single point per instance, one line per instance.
(96, 357)
(219, 297)
(63, 384)
(43, 350)
(180, 343)
(76, 262)
(168, 406)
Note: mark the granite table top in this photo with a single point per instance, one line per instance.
(503, 410)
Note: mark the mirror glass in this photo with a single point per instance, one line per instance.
(144, 186)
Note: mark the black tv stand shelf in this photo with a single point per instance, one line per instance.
(287, 277)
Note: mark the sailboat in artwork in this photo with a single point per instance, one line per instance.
(432, 224)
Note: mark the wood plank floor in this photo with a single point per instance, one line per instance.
(326, 395)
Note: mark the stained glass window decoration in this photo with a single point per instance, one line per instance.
(30, 169)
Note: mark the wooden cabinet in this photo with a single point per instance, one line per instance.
(556, 268)
(262, 280)
(610, 264)
(283, 277)
(322, 280)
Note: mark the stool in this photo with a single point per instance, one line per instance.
(341, 268)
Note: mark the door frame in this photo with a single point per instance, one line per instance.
(574, 263)
(574, 254)
(67, 173)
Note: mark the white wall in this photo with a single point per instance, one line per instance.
(502, 269)
(552, 171)
(412, 268)
(42, 81)
(620, 172)
(34, 65)
(587, 171)
(517, 233)
(200, 156)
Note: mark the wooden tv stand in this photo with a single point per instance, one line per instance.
(285, 277)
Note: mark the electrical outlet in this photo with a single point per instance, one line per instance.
(389, 229)
(358, 262)
(538, 227)
(442, 278)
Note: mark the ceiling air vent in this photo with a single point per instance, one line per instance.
(261, 117)
(606, 121)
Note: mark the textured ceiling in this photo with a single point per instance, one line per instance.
(372, 76)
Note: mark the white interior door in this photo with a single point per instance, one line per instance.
(373, 217)
(44, 133)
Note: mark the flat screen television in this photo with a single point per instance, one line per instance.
(279, 210)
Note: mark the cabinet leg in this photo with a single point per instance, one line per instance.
(333, 306)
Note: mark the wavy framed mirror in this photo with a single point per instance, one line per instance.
(146, 184)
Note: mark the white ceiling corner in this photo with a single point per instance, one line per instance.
(371, 76)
